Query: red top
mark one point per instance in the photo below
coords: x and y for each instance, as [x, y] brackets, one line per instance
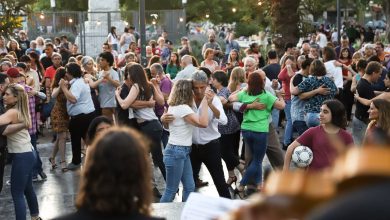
[347, 63]
[285, 79]
[50, 72]
[324, 151]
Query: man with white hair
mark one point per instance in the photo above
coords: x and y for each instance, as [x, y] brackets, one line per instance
[250, 65]
[33, 48]
[188, 68]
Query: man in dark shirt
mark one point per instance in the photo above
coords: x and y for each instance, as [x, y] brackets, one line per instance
[272, 70]
[24, 43]
[46, 60]
[365, 90]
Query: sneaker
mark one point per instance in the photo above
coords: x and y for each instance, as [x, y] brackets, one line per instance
[72, 166]
[35, 179]
[42, 175]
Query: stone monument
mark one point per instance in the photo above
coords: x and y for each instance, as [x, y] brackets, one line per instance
[102, 14]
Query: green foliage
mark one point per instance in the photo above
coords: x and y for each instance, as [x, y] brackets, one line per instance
[247, 29]
[78, 5]
[151, 4]
[10, 12]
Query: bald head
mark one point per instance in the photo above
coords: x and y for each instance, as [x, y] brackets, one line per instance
[186, 60]
[305, 50]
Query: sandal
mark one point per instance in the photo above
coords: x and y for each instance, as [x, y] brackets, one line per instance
[231, 180]
[53, 163]
[239, 192]
[64, 167]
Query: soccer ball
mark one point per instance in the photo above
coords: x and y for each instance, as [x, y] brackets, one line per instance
[302, 156]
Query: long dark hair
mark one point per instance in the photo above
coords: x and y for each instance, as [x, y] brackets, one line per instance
[177, 63]
[60, 74]
[255, 84]
[112, 31]
[40, 69]
[339, 114]
[138, 76]
[91, 133]
[116, 175]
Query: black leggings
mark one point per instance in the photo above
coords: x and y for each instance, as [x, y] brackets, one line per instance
[153, 130]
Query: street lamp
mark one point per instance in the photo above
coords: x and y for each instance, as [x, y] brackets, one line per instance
[181, 19]
[70, 20]
[207, 15]
[259, 3]
[234, 10]
[42, 16]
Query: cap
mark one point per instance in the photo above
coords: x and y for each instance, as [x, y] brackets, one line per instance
[184, 38]
[13, 72]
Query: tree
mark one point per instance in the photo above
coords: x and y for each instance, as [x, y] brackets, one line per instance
[10, 14]
[79, 5]
[285, 19]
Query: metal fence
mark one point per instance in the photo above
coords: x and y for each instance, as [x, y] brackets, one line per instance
[90, 29]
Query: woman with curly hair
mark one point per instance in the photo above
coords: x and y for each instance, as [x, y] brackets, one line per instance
[177, 152]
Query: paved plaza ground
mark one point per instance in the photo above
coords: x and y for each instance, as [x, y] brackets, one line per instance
[57, 194]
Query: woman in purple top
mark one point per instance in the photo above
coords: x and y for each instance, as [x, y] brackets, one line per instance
[328, 140]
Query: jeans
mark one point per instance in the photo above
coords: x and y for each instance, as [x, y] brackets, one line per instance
[358, 131]
[312, 119]
[300, 126]
[288, 132]
[178, 167]
[38, 162]
[257, 143]
[210, 155]
[229, 143]
[153, 130]
[3, 158]
[21, 184]
[78, 127]
[275, 118]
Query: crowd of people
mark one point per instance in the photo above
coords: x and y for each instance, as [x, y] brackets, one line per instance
[188, 113]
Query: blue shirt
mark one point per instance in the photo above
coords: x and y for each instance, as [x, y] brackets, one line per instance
[81, 91]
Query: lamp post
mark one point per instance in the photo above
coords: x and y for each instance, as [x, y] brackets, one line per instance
[143, 32]
[338, 21]
[53, 6]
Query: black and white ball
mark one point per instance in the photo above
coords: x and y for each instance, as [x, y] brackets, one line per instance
[302, 156]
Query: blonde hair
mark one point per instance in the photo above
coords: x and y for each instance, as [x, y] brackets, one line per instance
[181, 93]
[236, 78]
[357, 55]
[21, 103]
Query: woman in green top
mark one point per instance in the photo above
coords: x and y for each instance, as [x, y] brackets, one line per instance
[255, 125]
[174, 65]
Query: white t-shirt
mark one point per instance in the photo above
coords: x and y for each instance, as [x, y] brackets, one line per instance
[335, 73]
[321, 40]
[180, 131]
